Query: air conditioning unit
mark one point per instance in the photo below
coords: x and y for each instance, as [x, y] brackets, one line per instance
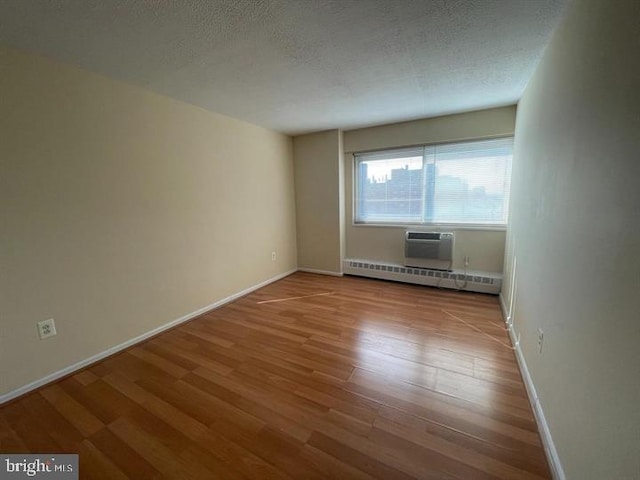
[432, 250]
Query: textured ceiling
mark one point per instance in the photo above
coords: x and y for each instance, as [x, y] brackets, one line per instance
[299, 65]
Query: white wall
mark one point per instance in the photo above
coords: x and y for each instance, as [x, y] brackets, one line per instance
[575, 232]
[485, 248]
[123, 210]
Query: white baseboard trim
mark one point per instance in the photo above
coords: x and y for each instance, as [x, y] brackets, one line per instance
[320, 272]
[547, 441]
[503, 307]
[117, 348]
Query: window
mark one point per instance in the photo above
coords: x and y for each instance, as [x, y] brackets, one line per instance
[464, 183]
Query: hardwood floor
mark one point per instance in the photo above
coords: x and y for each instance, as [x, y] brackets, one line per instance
[369, 380]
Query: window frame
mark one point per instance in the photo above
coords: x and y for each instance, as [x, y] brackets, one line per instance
[435, 225]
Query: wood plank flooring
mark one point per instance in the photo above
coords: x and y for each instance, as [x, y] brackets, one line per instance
[370, 380]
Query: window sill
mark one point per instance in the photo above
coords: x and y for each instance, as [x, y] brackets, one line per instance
[434, 226]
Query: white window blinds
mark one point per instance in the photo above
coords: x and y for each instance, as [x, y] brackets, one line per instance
[456, 183]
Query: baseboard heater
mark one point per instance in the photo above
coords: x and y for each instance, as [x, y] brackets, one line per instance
[481, 282]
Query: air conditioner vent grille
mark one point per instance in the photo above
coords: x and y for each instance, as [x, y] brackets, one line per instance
[423, 236]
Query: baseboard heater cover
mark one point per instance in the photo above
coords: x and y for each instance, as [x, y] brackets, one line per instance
[481, 282]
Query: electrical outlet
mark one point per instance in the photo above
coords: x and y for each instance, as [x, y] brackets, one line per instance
[540, 340]
[46, 328]
[273, 256]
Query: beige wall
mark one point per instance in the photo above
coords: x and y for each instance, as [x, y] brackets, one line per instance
[319, 192]
[485, 248]
[575, 232]
[386, 244]
[493, 122]
[123, 210]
